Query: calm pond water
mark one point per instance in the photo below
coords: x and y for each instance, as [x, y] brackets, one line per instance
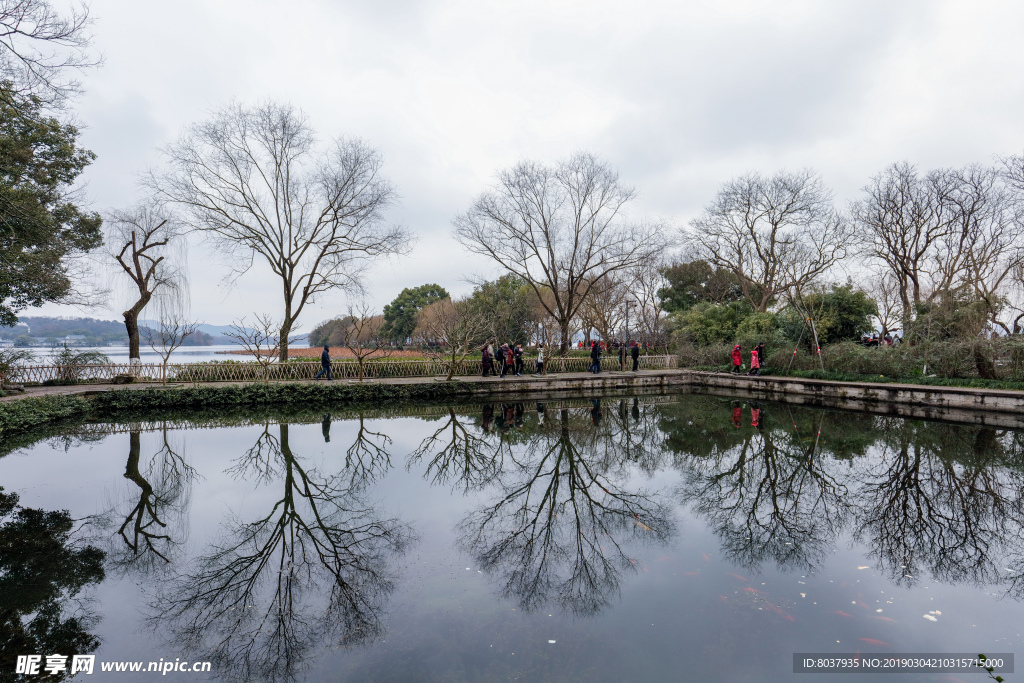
[624, 538]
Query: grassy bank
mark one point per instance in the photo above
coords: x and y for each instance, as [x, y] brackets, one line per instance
[31, 413]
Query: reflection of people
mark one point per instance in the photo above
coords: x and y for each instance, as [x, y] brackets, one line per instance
[488, 415]
[737, 415]
[540, 413]
[595, 412]
[325, 426]
[519, 410]
[755, 414]
[636, 408]
[325, 364]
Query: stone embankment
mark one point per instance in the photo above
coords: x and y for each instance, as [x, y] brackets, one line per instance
[974, 406]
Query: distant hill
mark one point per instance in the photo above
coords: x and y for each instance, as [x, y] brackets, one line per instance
[86, 331]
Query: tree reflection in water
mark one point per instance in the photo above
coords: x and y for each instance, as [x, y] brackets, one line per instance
[314, 568]
[43, 569]
[152, 515]
[771, 496]
[929, 497]
[561, 527]
[941, 499]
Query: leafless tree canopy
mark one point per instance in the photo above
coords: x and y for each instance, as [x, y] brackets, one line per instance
[450, 330]
[950, 230]
[145, 241]
[560, 228]
[775, 234]
[41, 47]
[253, 179]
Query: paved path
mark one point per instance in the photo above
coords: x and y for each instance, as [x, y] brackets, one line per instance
[554, 378]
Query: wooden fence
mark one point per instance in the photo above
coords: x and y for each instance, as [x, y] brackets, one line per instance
[250, 372]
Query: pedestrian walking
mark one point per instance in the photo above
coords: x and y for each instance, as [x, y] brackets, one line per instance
[325, 364]
[762, 355]
[595, 358]
[492, 358]
[622, 357]
[755, 363]
[503, 357]
[540, 359]
[634, 352]
[737, 358]
[517, 354]
[485, 360]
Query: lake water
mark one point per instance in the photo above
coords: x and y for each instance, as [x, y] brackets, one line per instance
[645, 538]
[185, 354]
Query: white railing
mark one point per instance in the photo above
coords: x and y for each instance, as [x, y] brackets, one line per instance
[250, 372]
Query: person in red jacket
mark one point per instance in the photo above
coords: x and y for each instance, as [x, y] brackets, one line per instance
[737, 358]
[755, 364]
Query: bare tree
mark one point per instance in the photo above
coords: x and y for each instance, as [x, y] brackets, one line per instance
[175, 328]
[40, 47]
[361, 335]
[141, 239]
[450, 330]
[604, 309]
[561, 229]
[646, 317]
[262, 341]
[884, 288]
[774, 234]
[904, 219]
[252, 179]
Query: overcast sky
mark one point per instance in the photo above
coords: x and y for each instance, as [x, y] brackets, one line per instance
[679, 95]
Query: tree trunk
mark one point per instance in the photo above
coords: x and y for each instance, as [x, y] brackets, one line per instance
[286, 330]
[131, 323]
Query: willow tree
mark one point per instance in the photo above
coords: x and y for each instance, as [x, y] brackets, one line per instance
[146, 243]
[255, 180]
[561, 229]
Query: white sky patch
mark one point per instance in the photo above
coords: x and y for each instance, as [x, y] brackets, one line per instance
[679, 96]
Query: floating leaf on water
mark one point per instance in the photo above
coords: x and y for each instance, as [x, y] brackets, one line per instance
[929, 617]
[879, 609]
[803, 595]
[552, 642]
[863, 567]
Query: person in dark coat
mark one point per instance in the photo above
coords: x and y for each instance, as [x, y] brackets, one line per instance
[485, 360]
[517, 355]
[622, 356]
[325, 364]
[634, 353]
[595, 357]
[761, 354]
[506, 357]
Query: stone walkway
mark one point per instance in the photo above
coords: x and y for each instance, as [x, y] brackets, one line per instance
[563, 378]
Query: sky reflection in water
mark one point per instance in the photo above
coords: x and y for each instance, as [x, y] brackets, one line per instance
[650, 538]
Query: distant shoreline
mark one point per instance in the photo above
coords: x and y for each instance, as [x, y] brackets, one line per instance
[335, 352]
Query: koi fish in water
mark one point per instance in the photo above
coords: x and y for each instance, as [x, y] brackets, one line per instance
[872, 641]
[706, 558]
[891, 621]
[748, 589]
[738, 577]
[778, 610]
[842, 614]
[641, 525]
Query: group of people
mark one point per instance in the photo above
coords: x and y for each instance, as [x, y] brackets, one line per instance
[633, 351]
[757, 358]
[505, 358]
[874, 340]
